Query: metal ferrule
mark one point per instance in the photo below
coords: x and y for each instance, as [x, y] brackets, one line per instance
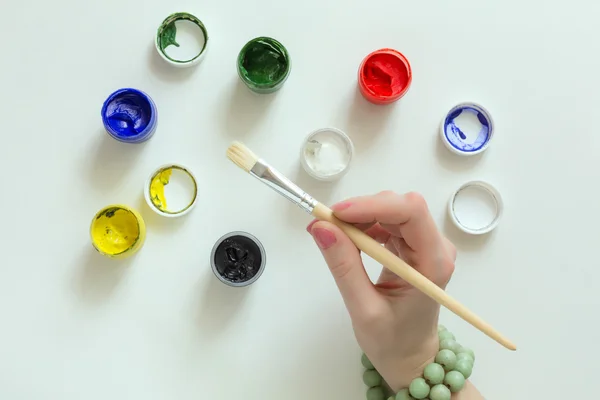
[278, 182]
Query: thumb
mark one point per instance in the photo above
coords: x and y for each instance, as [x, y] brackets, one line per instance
[345, 264]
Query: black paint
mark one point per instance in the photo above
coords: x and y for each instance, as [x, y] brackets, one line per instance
[238, 259]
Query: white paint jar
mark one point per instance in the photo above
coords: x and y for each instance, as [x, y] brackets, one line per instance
[476, 207]
[326, 154]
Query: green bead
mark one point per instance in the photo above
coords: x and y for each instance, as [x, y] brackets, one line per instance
[464, 356]
[371, 378]
[465, 367]
[434, 374]
[366, 362]
[404, 395]
[440, 392]
[443, 335]
[450, 344]
[419, 389]
[391, 398]
[375, 393]
[441, 328]
[446, 358]
[468, 351]
[455, 381]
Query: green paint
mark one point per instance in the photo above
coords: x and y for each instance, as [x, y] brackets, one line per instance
[167, 36]
[264, 64]
[108, 213]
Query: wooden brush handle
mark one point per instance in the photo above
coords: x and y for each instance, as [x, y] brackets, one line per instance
[388, 259]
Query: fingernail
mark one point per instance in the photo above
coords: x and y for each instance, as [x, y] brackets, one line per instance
[341, 206]
[309, 227]
[324, 238]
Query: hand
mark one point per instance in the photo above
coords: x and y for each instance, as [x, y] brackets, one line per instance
[394, 323]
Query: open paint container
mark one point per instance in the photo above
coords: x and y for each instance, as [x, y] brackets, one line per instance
[264, 65]
[384, 76]
[129, 115]
[476, 207]
[238, 259]
[117, 231]
[171, 190]
[326, 154]
[467, 129]
[182, 40]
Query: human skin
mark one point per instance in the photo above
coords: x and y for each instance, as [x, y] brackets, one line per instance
[394, 323]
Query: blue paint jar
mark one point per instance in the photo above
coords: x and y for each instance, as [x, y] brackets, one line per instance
[129, 115]
[467, 129]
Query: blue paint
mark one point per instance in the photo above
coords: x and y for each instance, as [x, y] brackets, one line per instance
[129, 115]
[474, 135]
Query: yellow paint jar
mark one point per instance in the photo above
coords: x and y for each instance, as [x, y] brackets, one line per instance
[117, 231]
[171, 190]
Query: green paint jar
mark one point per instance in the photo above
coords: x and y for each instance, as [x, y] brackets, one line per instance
[264, 65]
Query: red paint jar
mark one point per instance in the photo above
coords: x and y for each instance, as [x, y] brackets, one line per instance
[384, 76]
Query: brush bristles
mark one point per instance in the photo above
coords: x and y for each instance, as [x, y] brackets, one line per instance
[241, 156]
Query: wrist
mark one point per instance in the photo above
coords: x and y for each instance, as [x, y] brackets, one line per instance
[469, 392]
[399, 370]
[437, 368]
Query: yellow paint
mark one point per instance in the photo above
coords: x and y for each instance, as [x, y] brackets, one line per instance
[117, 231]
[157, 188]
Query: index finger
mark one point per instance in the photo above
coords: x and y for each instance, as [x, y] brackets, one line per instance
[408, 213]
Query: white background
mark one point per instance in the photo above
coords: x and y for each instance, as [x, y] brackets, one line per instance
[75, 325]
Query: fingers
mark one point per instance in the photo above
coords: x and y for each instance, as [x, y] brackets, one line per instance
[388, 279]
[450, 249]
[402, 215]
[378, 233]
[374, 230]
[345, 264]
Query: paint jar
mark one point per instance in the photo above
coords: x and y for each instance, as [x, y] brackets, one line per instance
[182, 40]
[264, 65]
[117, 231]
[129, 115]
[171, 190]
[384, 76]
[238, 259]
[326, 154]
[476, 208]
[467, 129]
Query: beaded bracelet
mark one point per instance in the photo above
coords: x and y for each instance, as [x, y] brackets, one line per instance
[452, 367]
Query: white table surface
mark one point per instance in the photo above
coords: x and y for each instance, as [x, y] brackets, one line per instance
[75, 325]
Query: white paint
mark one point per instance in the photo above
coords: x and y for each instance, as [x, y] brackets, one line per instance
[326, 154]
[468, 124]
[327, 157]
[179, 192]
[190, 39]
[475, 208]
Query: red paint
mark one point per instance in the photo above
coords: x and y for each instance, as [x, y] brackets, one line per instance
[384, 76]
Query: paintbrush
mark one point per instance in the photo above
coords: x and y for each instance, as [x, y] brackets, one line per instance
[249, 162]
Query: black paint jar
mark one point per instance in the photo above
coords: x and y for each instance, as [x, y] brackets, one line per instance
[238, 259]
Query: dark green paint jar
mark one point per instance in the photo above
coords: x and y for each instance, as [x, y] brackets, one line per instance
[264, 65]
